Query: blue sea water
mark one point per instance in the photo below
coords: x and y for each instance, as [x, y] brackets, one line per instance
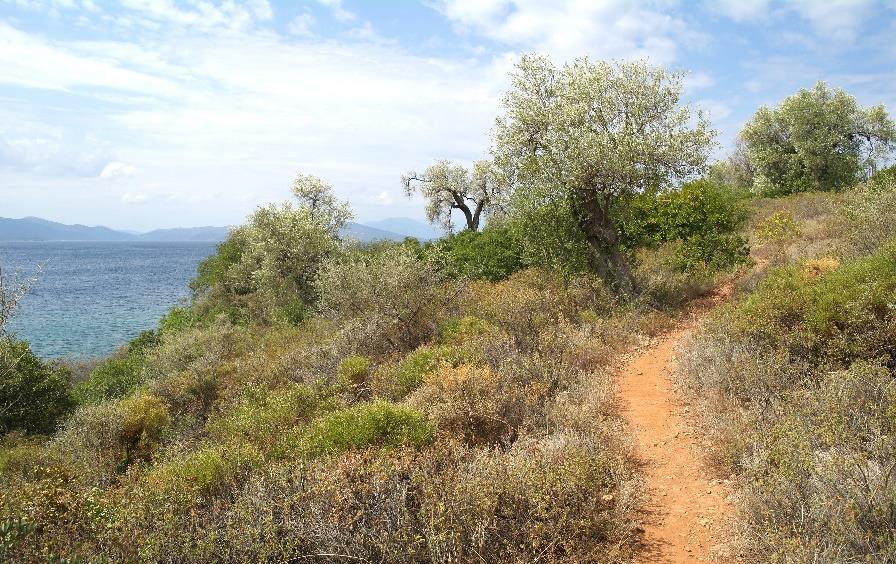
[91, 298]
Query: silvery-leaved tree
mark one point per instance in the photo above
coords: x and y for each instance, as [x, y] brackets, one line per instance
[587, 135]
[281, 245]
[818, 139]
[448, 186]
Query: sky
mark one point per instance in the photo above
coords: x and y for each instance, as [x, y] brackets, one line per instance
[143, 114]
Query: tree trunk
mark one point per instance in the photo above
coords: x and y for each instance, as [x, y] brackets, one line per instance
[602, 236]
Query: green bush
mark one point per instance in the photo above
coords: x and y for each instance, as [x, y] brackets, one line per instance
[884, 177]
[144, 420]
[353, 371]
[260, 415]
[702, 216]
[397, 381]
[112, 378]
[377, 424]
[491, 254]
[34, 395]
[454, 330]
[838, 316]
[212, 271]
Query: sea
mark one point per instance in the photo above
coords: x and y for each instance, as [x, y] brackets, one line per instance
[87, 298]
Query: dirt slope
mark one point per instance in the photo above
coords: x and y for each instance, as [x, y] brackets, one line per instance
[688, 512]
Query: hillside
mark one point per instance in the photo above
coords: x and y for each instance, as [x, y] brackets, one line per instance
[36, 229]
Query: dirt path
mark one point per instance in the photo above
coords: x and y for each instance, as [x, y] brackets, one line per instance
[688, 510]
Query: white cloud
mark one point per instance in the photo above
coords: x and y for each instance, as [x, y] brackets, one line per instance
[385, 198]
[570, 28]
[697, 81]
[741, 10]
[134, 198]
[117, 170]
[338, 11]
[302, 25]
[835, 19]
[211, 115]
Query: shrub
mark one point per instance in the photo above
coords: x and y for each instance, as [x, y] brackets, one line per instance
[393, 292]
[475, 404]
[838, 316]
[353, 372]
[702, 217]
[208, 471]
[34, 395]
[145, 418]
[377, 424]
[491, 254]
[780, 226]
[562, 500]
[456, 330]
[112, 378]
[395, 382]
[885, 177]
[261, 415]
[869, 216]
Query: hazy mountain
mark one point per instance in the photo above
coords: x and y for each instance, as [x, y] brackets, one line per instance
[368, 234]
[186, 234]
[409, 227]
[36, 229]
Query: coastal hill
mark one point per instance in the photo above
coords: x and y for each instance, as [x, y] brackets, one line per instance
[37, 229]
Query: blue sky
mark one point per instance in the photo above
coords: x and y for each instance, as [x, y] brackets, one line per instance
[161, 113]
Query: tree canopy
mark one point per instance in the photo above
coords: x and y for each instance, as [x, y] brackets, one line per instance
[586, 135]
[818, 139]
[448, 186]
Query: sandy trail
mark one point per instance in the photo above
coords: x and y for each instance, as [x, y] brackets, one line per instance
[688, 510]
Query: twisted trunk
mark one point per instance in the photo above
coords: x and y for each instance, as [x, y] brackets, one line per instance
[602, 236]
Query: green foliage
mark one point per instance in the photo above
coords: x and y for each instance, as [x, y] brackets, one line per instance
[212, 271]
[885, 178]
[456, 330]
[549, 236]
[378, 424]
[704, 217]
[837, 316]
[113, 378]
[817, 139]
[12, 531]
[353, 371]
[120, 374]
[208, 471]
[266, 268]
[778, 227]
[34, 395]
[398, 381]
[869, 215]
[177, 319]
[391, 295]
[491, 254]
[144, 419]
[561, 142]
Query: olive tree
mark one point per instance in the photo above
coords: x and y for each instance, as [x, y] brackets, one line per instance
[448, 186]
[281, 246]
[818, 139]
[588, 135]
[390, 294]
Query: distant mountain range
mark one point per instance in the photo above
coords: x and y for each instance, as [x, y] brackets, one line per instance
[37, 229]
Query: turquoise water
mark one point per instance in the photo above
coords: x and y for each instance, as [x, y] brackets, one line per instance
[90, 298]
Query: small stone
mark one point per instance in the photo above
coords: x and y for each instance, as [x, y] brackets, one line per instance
[607, 498]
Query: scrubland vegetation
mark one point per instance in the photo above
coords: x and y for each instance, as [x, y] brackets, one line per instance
[318, 400]
[798, 380]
